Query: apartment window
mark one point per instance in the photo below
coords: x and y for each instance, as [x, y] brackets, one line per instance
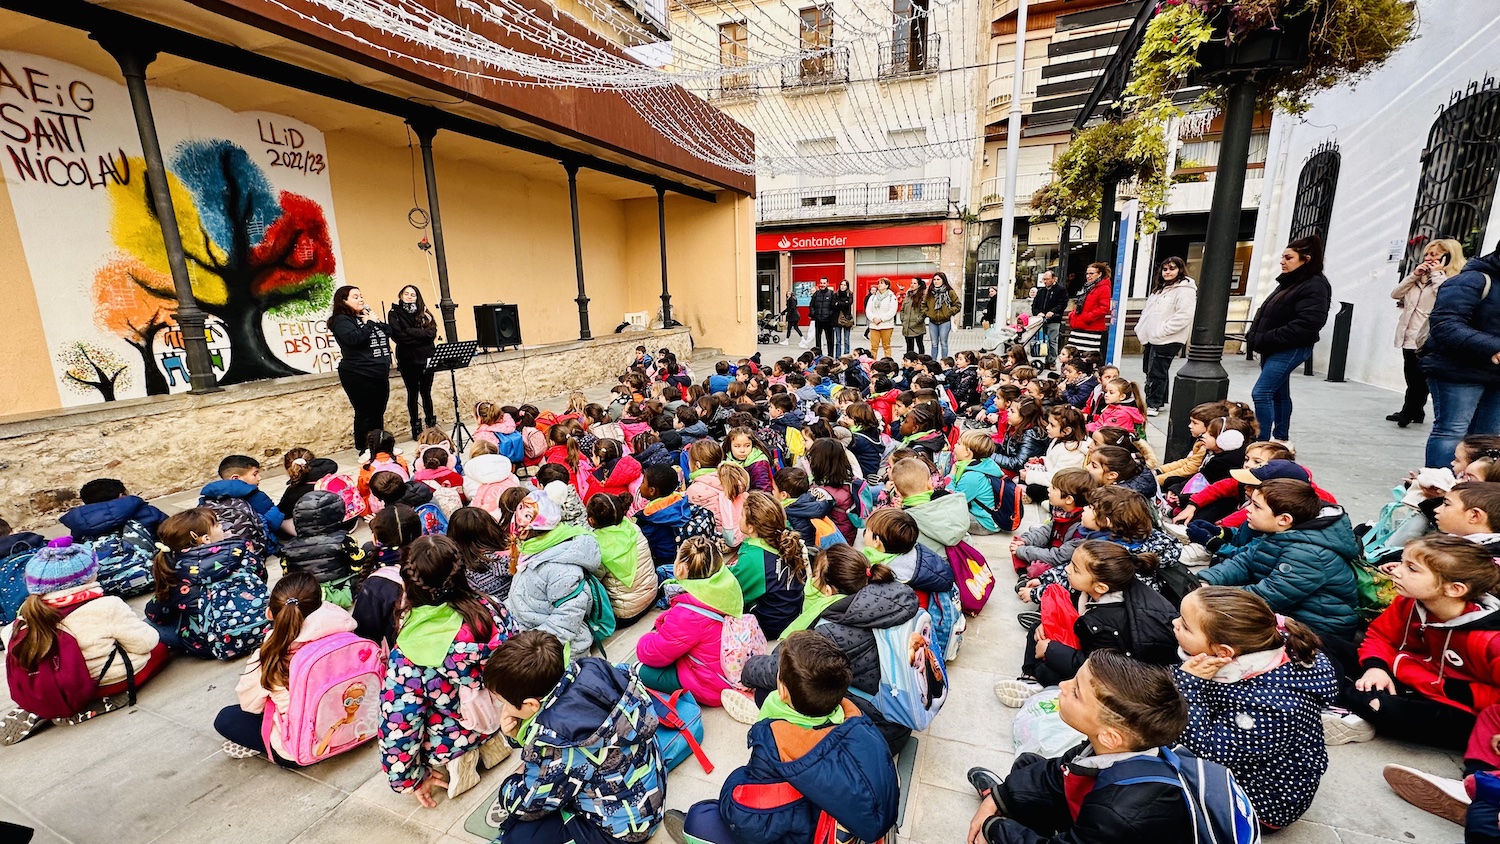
[1315, 189]
[817, 36]
[734, 51]
[909, 39]
[1459, 165]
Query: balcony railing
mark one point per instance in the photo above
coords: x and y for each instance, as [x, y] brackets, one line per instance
[1001, 88]
[738, 86]
[992, 190]
[903, 197]
[907, 56]
[819, 70]
[1196, 197]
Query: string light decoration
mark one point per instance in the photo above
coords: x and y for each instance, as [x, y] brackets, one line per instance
[883, 118]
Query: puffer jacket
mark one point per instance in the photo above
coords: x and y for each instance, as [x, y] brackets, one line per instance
[624, 547]
[91, 521]
[885, 405]
[850, 623]
[655, 454]
[867, 450]
[322, 546]
[688, 634]
[596, 726]
[942, 522]
[707, 491]
[974, 482]
[1019, 448]
[545, 592]
[1265, 727]
[1126, 416]
[1167, 316]
[1293, 315]
[1078, 394]
[617, 478]
[1138, 625]
[923, 569]
[1061, 454]
[212, 578]
[485, 478]
[1455, 662]
[1464, 327]
[880, 309]
[1094, 305]
[666, 522]
[419, 729]
[1187, 466]
[326, 620]
[1304, 572]
[813, 504]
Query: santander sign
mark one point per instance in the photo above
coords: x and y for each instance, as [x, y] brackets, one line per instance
[921, 235]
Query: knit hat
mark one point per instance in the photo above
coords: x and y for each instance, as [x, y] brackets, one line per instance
[61, 565]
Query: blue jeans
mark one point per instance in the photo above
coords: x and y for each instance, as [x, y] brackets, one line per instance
[1272, 393]
[840, 341]
[1459, 410]
[937, 333]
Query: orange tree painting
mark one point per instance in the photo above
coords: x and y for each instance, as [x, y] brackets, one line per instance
[251, 251]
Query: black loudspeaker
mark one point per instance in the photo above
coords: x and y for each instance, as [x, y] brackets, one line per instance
[497, 326]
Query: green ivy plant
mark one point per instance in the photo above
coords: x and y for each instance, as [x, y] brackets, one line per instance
[1131, 149]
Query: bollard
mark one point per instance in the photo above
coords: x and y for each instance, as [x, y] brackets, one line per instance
[1338, 355]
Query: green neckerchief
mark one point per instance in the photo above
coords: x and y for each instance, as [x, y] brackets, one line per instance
[762, 545]
[755, 456]
[917, 500]
[719, 591]
[814, 602]
[428, 633]
[958, 468]
[749, 568]
[776, 709]
[787, 502]
[911, 438]
[558, 535]
[617, 550]
[698, 473]
[878, 558]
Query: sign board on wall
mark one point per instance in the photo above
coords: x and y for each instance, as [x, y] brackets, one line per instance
[849, 238]
[253, 202]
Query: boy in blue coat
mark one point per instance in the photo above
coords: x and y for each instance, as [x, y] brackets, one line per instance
[812, 753]
[668, 517]
[106, 508]
[239, 477]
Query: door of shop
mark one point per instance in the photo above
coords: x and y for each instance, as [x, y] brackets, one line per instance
[808, 267]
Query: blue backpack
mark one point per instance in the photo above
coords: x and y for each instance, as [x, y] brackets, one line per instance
[912, 690]
[948, 622]
[125, 559]
[1010, 505]
[430, 515]
[679, 731]
[13, 584]
[512, 447]
[1221, 812]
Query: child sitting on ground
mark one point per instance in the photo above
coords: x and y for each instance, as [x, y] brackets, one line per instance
[303, 471]
[669, 518]
[891, 540]
[1471, 510]
[617, 473]
[1256, 686]
[484, 548]
[1112, 464]
[387, 488]
[1067, 449]
[718, 487]
[323, 547]
[1298, 554]
[1051, 545]
[380, 456]
[815, 762]
[378, 606]
[942, 517]
[590, 768]
[239, 481]
[1221, 500]
[487, 475]
[1124, 407]
[210, 599]
[552, 478]
[976, 476]
[1186, 467]
[550, 561]
[447, 485]
[772, 564]
[807, 509]
[105, 510]
[830, 468]
[744, 449]
[682, 649]
[629, 572]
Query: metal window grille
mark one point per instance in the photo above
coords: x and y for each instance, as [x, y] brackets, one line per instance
[1315, 190]
[1459, 166]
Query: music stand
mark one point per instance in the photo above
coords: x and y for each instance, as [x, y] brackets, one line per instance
[453, 357]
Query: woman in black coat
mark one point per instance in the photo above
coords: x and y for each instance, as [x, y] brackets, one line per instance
[414, 330]
[365, 369]
[843, 308]
[1285, 330]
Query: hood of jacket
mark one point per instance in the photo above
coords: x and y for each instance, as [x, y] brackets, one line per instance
[922, 568]
[670, 510]
[21, 542]
[1482, 615]
[944, 519]
[791, 419]
[581, 551]
[655, 454]
[1329, 529]
[594, 705]
[227, 488]
[719, 592]
[697, 430]
[877, 606]
[318, 512]
[326, 620]
[488, 469]
[319, 468]
[810, 506]
[101, 517]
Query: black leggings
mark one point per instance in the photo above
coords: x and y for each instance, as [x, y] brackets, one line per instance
[368, 394]
[823, 331]
[793, 325]
[1410, 716]
[243, 728]
[917, 344]
[418, 381]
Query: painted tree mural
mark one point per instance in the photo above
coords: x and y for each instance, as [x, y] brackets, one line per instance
[251, 251]
[91, 367]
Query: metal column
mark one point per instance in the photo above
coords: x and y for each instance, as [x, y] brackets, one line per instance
[425, 133]
[583, 298]
[661, 227]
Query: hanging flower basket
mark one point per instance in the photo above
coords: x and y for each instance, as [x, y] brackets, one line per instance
[1281, 46]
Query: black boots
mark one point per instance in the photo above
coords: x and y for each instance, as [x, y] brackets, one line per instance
[1401, 418]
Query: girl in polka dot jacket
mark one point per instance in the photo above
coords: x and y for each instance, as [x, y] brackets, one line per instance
[1256, 686]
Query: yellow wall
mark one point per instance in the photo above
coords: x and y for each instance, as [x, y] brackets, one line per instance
[27, 382]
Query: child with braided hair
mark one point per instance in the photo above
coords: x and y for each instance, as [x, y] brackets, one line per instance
[772, 564]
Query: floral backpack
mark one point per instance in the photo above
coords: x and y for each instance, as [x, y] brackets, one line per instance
[740, 638]
[447, 498]
[345, 487]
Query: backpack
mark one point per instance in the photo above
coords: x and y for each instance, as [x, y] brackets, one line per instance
[1175, 582]
[512, 446]
[1374, 589]
[740, 638]
[1221, 812]
[61, 685]
[679, 730]
[447, 498]
[826, 533]
[334, 689]
[601, 615]
[231, 617]
[912, 690]
[433, 519]
[972, 574]
[344, 487]
[13, 584]
[948, 622]
[1010, 505]
[240, 521]
[386, 464]
[796, 446]
[125, 560]
[700, 522]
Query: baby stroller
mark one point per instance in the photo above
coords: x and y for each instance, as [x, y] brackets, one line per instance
[770, 326]
[1031, 335]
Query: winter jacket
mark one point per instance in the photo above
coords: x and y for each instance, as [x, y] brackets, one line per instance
[1051, 299]
[1464, 327]
[1265, 728]
[485, 478]
[326, 620]
[1217, 465]
[844, 770]
[236, 488]
[1060, 455]
[591, 751]
[413, 333]
[442, 476]
[1304, 572]
[913, 316]
[97, 624]
[377, 605]
[624, 546]
[822, 306]
[1050, 801]
[942, 306]
[974, 482]
[1078, 394]
[688, 634]
[942, 522]
[1021, 447]
[1126, 416]
[843, 504]
[666, 522]
[1415, 296]
[923, 569]
[655, 454]
[1167, 316]
[20, 543]
[322, 546]
[772, 593]
[617, 478]
[365, 346]
[1455, 662]
[693, 433]
[1138, 624]
[203, 631]
[707, 491]
[1094, 306]
[419, 729]
[545, 593]
[317, 469]
[880, 310]
[884, 404]
[88, 522]
[850, 623]
[867, 450]
[1047, 544]
[1293, 315]
[813, 504]
[492, 433]
[1187, 466]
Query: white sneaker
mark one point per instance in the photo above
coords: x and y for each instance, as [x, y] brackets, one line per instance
[1013, 693]
[463, 773]
[1153, 411]
[1345, 728]
[494, 751]
[239, 751]
[1438, 795]
[739, 706]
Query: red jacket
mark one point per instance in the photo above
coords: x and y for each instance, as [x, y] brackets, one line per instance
[617, 479]
[581, 479]
[1093, 312]
[1455, 662]
[884, 404]
[1231, 488]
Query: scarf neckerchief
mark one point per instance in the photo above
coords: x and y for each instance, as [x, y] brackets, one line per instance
[917, 500]
[779, 710]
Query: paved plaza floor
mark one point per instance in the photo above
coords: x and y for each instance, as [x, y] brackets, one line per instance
[155, 772]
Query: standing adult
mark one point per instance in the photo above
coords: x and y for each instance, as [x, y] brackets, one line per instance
[793, 315]
[1048, 304]
[1088, 322]
[843, 315]
[880, 310]
[1415, 296]
[365, 368]
[1166, 319]
[1462, 358]
[414, 331]
[1285, 330]
[942, 307]
[821, 311]
[987, 318]
[914, 316]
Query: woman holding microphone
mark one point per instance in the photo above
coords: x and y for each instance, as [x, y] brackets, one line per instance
[415, 331]
[365, 369]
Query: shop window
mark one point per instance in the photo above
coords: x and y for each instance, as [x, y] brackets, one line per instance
[1315, 189]
[1459, 166]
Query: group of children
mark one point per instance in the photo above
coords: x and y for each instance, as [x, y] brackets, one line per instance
[802, 528]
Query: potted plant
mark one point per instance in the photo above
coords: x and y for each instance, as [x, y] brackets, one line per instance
[1111, 152]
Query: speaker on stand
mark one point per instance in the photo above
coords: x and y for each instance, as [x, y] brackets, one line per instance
[497, 326]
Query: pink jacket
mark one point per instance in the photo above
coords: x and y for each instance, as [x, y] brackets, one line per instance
[1126, 416]
[707, 492]
[326, 620]
[506, 425]
[691, 642]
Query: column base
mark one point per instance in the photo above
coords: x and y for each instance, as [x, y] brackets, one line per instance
[1190, 389]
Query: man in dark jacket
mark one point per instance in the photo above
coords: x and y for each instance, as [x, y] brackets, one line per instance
[1462, 358]
[823, 310]
[1048, 304]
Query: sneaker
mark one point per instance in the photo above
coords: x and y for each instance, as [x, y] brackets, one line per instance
[984, 781]
[1341, 727]
[1153, 411]
[19, 725]
[494, 751]
[675, 823]
[739, 706]
[1438, 795]
[463, 774]
[1013, 693]
[239, 751]
[1029, 620]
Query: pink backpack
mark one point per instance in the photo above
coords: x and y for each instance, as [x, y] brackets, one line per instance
[334, 683]
[972, 573]
[740, 638]
[389, 464]
[344, 487]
